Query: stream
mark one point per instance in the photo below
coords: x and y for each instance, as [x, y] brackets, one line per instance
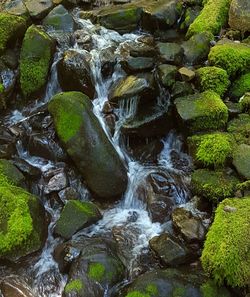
[40, 272]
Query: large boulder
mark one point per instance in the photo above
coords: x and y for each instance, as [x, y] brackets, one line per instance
[59, 19]
[38, 8]
[226, 254]
[241, 160]
[231, 56]
[12, 28]
[74, 73]
[22, 222]
[35, 60]
[87, 144]
[75, 216]
[204, 111]
[239, 15]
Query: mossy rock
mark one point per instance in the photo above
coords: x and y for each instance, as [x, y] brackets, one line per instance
[87, 144]
[213, 185]
[212, 149]
[170, 52]
[211, 289]
[12, 28]
[239, 15]
[240, 86]
[213, 78]
[240, 128]
[202, 112]
[212, 18]
[167, 74]
[35, 60]
[245, 103]
[241, 160]
[9, 174]
[75, 216]
[231, 56]
[74, 286]
[226, 251]
[21, 223]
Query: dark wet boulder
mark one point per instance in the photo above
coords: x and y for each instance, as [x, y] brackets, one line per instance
[59, 19]
[35, 60]
[74, 73]
[76, 215]
[202, 111]
[137, 64]
[38, 8]
[171, 251]
[188, 225]
[239, 15]
[213, 185]
[123, 19]
[196, 49]
[97, 268]
[160, 14]
[23, 222]
[241, 160]
[87, 144]
[170, 52]
[12, 28]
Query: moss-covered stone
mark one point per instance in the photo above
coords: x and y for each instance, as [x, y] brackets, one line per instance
[211, 19]
[21, 222]
[213, 78]
[240, 86]
[11, 29]
[167, 74]
[10, 174]
[226, 251]
[87, 144]
[76, 215]
[96, 271]
[210, 289]
[245, 103]
[201, 112]
[231, 56]
[240, 128]
[241, 160]
[35, 59]
[211, 149]
[74, 286]
[213, 185]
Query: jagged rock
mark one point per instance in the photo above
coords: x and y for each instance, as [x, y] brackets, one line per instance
[38, 8]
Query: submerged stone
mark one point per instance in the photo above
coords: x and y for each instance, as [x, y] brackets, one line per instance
[87, 144]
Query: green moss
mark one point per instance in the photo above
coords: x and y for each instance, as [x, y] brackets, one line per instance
[179, 292]
[226, 251]
[67, 115]
[211, 19]
[213, 185]
[11, 27]
[137, 294]
[96, 271]
[213, 78]
[152, 289]
[74, 286]
[210, 289]
[245, 186]
[245, 103]
[241, 86]
[240, 128]
[10, 173]
[35, 59]
[233, 57]
[1, 88]
[213, 149]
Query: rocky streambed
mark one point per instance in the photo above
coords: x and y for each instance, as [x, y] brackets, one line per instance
[124, 148]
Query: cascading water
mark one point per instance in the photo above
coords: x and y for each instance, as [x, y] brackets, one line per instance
[131, 212]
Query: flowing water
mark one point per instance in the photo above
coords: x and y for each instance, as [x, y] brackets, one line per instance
[41, 272]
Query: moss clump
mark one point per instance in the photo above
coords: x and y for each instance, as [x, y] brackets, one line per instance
[245, 103]
[233, 57]
[96, 271]
[211, 19]
[226, 251]
[240, 128]
[35, 59]
[137, 294]
[213, 78]
[74, 286]
[202, 112]
[10, 174]
[245, 186]
[152, 289]
[67, 115]
[11, 28]
[213, 149]
[210, 289]
[213, 185]
[241, 86]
